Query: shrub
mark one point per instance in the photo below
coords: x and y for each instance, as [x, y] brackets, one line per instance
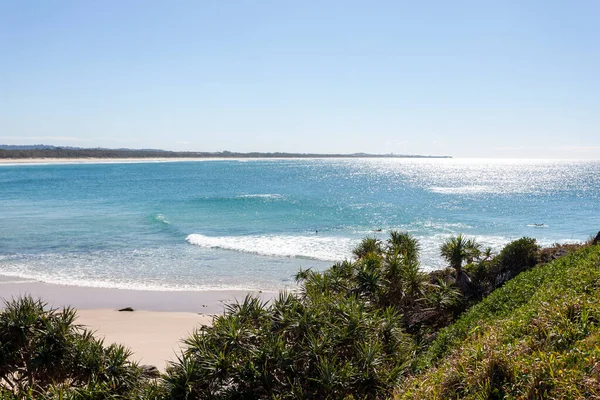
[43, 352]
[515, 257]
[315, 346]
[341, 335]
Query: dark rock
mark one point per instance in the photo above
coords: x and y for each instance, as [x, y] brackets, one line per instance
[464, 283]
[447, 275]
[504, 276]
[126, 309]
[596, 239]
[559, 253]
[149, 371]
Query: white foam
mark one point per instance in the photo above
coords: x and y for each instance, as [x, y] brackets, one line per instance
[261, 196]
[316, 247]
[474, 189]
[162, 269]
[162, 218]
[68, 280]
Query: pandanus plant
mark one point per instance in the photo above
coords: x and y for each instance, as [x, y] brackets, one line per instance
[456, 250]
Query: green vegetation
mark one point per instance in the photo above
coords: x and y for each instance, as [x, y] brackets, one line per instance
[372, 327]
[456, 250]
[536, 337]
[44, 354]
[341, 335]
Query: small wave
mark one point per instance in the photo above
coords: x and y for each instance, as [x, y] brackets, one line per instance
[138, 270]
[260, 196]
[13, 281]
[475, 189]
[537, 225]
[161, 218]
[27, 277]
[312, 247]
[439, 225]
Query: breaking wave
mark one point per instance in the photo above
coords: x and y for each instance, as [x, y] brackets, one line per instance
[316, 247]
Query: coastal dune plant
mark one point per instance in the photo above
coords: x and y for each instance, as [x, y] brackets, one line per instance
[515, 257]
[369, 245]
[356, 329]
[320, 346]
[341, 334]
[490, 272]
[456, 250]
[44, 354]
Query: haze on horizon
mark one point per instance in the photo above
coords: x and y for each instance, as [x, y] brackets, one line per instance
[466, 78]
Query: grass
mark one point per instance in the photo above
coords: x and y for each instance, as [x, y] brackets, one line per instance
[536, 337]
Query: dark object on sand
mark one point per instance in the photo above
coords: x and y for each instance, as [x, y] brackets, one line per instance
[126, 309]
[149, 371]
[596, 239]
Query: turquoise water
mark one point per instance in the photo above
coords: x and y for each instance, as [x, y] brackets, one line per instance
[251, 224]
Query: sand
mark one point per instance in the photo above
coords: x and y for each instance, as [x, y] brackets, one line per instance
[153, 331]
[93, 160]
[153, 336]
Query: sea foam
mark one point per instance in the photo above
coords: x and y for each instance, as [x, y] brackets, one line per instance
[272, 196]
[474, 189]
[316, 247]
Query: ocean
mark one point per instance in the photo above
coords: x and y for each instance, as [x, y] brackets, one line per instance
[251, 224]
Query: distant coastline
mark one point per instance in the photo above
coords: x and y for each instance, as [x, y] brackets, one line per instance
[43, 152]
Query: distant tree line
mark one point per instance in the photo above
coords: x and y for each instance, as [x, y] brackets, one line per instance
[70, 152]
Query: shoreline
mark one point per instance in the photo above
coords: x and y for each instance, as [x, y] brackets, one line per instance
[208, 302]
[98, 160]
[153, 331]
[134, 160]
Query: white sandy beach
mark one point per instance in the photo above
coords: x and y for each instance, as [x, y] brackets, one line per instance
[98, 160]
[153, 331]
[93, 160]
[153, 336]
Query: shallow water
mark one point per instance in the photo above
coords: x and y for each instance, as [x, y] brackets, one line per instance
[251, 224]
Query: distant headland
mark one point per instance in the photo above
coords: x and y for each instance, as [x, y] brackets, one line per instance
[59, 152]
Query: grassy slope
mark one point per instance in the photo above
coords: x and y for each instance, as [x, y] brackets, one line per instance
[536, 337]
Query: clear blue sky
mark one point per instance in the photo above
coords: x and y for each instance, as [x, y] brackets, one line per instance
[463, 78]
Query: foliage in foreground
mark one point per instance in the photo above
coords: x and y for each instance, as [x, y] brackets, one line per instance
[357, 329]
[371, 327]
[341, 335]
[44, 354]
[536, 337]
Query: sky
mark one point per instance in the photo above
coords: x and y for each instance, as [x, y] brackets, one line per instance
[459, 78]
